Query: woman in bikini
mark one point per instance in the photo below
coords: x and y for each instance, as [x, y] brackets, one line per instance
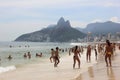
[76, 57]
[108, 52]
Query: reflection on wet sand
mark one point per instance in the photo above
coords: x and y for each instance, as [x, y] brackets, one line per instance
[91, 73]
[79, 77]
[101, 72]
[89, 76]
[110, 73]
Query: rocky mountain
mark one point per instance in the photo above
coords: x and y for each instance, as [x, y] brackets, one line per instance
[61, 32]
[102, 28]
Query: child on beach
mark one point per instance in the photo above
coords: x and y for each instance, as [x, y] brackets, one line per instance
[52, 55]
[108, 52]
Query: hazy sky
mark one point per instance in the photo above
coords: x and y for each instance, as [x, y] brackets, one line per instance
[24, 16]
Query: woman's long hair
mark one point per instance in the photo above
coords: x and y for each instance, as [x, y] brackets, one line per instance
[108, 42]
[76, 47]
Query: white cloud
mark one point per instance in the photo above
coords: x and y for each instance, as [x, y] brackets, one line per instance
[10, 31]
[110, 4]
[57, 3]
[32, 3]
[115, 19]
[96, 20]
[78, 24]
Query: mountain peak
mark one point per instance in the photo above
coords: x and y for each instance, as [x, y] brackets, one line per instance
[61, 21]
[68, 23]
[62, 32]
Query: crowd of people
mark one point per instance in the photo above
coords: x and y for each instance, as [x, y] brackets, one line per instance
[107, 49]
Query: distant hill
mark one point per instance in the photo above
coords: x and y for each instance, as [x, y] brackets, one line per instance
[102, 28]
[62, 32]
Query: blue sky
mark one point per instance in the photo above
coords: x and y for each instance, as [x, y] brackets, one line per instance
[24, 16]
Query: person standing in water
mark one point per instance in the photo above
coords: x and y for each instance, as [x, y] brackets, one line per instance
[25, 55]
[9, 57]
[108, 52]
[76, 57]
[56, 57]
[88, 55]
[29, 55]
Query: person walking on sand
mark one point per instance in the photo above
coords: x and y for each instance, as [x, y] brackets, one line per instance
[108, 52]
[95, 53]
[56, 57]
[88, 55]
[119, 46]
[75, 57]
[52, 55]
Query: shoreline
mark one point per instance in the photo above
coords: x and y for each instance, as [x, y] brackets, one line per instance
[64, 71]
[39, 71]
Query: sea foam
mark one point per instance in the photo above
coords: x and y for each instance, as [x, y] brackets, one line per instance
[6, 69]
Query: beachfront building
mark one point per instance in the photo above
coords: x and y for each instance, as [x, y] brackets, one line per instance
[103, 37]
[96, 39]
[109, 36]
[117, 36]
[89, 36]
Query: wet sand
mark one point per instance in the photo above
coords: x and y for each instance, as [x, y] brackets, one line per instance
[100, 72]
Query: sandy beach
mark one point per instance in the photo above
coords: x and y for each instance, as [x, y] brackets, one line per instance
[100, 72]
[64, 71]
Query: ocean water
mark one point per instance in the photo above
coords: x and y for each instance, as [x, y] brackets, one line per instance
[41, 65]
[17, 50]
